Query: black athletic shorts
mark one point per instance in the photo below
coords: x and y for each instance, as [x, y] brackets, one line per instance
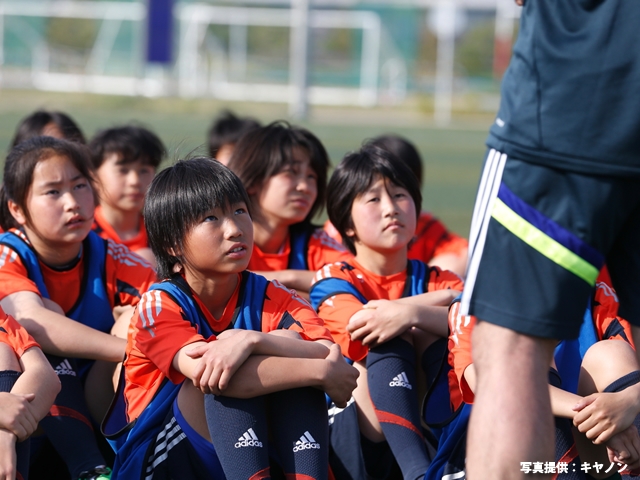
[539, 238]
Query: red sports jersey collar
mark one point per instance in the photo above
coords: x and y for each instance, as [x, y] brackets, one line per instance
[382, 279]
[227, 314]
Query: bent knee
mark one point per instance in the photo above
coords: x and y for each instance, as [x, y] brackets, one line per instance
[607, 360]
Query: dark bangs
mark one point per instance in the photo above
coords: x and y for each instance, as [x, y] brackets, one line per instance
[34, 125]
[130, 142]
[22, 161]
[355, 174]
[228, 129]
[403, 149]
[179, 197]
[266, 151]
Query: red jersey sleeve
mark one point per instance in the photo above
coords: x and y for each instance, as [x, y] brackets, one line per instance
[609, 325]
[324, 250]
[336, 312]
[14, 335]
[460, 327]
[13, 274]
[443, 280]
[128, 275]
[157, 332]
[433, 239]
[338, 309]
[285, 309]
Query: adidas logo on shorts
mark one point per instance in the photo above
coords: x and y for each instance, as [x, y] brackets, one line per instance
[249, 439]
[306, 442]
[65, 368]
[400, 381]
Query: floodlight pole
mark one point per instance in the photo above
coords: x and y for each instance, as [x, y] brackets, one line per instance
[299, 54]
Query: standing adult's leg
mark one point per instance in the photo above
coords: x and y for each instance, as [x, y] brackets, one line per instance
[511, 420]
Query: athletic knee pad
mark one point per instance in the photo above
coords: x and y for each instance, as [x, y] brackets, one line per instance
[623, 382]
[554, 378]
[239, 433]
[300, 428]
[394, 348]
[392, 387]
[8, 379]
[391, 376]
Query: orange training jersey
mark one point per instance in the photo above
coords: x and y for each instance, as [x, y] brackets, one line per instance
[106, 231]
[460, 327]
[431, 239]
[127, 276]
[338, 309]
[159, 331]
[608, 326]
[321, 250]
[14, 335]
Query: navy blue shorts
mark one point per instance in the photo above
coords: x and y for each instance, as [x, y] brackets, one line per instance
[539, 237]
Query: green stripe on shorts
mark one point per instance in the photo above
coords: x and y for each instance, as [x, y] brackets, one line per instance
[543, 243]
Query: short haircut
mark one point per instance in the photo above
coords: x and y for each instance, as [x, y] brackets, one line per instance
[266, 151]
[355, 174]
[130, 142]
[178, 199]
[403, 149]
[21, 163]
[34, 125]
[228, 128]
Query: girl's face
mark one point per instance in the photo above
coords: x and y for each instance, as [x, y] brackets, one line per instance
[123, 185]
[60, 203]
[384, 218]
[220, 244]
[287, 197]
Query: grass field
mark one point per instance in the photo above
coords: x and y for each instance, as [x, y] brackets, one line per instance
[453, 155]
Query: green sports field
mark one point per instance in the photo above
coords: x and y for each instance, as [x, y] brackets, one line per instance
[452, 155]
